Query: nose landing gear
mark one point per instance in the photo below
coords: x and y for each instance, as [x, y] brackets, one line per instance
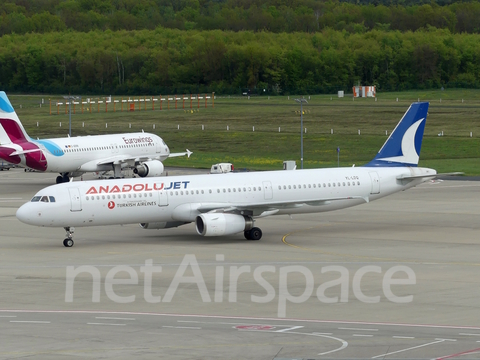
[68, 242]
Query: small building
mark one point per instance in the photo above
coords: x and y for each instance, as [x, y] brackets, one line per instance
[364, 91]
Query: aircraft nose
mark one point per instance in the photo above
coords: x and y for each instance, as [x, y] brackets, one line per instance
[25, 214]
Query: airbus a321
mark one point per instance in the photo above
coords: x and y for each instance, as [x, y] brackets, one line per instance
[227, 204]
[74, 156]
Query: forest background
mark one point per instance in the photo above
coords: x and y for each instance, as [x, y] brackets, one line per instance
[230, 47]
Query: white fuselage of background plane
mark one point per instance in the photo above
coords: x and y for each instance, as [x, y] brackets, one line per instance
[83, 153]
[182, 198]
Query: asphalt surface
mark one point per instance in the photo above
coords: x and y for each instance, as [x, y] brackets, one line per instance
[228, 298]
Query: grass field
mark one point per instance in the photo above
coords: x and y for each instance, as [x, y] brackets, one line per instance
[453, 112]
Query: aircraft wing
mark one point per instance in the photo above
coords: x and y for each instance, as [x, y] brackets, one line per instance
[120, 159]
[270, 208]
[188, 153]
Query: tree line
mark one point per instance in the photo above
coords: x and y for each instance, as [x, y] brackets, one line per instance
[168, 61]
[354, 16]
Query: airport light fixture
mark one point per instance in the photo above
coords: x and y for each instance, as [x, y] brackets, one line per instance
[301, 101]
[70, 98]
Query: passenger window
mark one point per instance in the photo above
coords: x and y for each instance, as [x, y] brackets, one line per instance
[294, 186]
[218, 190]
[202, 191]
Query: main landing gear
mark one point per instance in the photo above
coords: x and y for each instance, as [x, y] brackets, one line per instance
[62, 178]
[68, 242]
[253, 234]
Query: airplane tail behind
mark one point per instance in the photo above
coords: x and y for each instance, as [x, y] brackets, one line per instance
[403, 146]
[11, 129]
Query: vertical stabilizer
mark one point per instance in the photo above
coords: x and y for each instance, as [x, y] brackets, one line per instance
[403, 146]
[11, 129]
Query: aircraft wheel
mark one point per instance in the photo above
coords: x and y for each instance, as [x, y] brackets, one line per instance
[255, 234]
[65, 178]
[59, 179]
[247, 235]
[68, 242]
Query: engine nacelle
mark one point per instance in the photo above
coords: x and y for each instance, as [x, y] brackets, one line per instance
[162, 225]
[222, 224]
[149, 169]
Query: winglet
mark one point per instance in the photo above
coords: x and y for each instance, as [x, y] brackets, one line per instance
[403, 146]
[189, 153]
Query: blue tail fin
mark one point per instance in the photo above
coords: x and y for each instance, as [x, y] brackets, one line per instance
[402, 148]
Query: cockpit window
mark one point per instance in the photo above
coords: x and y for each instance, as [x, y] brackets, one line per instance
[44, 199]
[52, 198]
[36, 199]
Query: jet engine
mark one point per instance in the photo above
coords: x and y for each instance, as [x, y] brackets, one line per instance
[162, 225]
[213, 224]
[149, 168]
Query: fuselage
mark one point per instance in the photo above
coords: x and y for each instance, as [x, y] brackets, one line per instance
[83, 153]
[182, 198]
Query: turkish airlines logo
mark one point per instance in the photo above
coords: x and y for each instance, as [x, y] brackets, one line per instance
[111, 205]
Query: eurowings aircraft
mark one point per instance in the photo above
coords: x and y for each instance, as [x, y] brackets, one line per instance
[226, 204]
[74, 156]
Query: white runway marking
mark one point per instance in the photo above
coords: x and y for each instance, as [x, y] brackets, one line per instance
[410, 348]
[291, 328]
[364, 335]
[469, 334]
[183, 327]
[403, 337]
[30, 321]
[112, 318]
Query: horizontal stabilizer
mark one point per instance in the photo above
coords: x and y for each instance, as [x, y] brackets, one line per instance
[187, 153]
[426, 176]
[21, 152]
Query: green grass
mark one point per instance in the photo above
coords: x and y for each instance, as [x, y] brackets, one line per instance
[266, 147]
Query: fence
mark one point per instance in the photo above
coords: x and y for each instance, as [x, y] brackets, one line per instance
[134, 103]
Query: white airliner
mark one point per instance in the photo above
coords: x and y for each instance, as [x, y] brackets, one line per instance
[74, 156]
[227, 204]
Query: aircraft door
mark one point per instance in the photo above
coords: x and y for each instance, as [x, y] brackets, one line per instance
[267, 189]
[375, 182]
[163, 198]
[76, 203]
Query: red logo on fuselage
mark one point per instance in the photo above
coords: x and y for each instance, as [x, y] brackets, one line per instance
[111, 205]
